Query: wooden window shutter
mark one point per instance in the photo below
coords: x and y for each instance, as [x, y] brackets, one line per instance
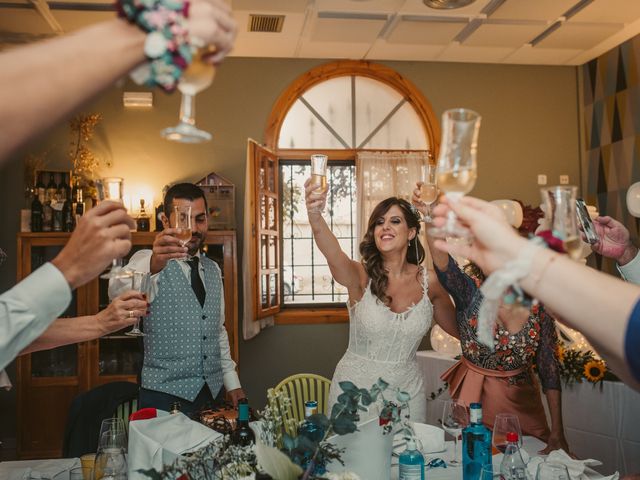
[265, 202]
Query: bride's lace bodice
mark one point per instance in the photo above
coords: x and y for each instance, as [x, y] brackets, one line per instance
[383, 344]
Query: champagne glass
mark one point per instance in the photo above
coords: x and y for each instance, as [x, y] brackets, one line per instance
[552, 471]
[560, 205]
[140, 281]
[111, 188]
[319, 173]
[455, 417]
[429, 188]
[182, 215]
[197, 77]
[457, 169]
[503, 424]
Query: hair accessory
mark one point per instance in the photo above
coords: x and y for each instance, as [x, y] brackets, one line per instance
[414, 210]
[167, 45]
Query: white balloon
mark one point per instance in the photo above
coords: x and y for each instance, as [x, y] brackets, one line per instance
[512, 211]
[633, 199]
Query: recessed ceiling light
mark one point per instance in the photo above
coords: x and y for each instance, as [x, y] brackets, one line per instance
[447, 4]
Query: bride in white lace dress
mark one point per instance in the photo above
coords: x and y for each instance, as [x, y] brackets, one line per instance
[392, 299]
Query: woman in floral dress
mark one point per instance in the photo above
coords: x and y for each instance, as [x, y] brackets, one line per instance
[503, 379]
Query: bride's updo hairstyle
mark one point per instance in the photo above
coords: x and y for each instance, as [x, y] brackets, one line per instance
[371, 258]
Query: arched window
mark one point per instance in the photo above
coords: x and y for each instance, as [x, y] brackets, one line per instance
[340, 109]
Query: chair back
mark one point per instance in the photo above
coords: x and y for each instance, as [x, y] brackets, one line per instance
[301, 388]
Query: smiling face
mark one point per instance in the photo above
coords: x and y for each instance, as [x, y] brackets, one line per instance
[391, 232]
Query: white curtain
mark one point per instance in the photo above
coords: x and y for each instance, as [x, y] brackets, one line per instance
[381, 175]
[250, 326]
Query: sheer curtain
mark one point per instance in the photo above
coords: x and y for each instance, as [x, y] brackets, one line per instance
[382, 175]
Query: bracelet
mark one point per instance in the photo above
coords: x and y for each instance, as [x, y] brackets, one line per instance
[167, 46]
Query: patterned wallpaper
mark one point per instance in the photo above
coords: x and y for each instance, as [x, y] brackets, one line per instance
[612, 141]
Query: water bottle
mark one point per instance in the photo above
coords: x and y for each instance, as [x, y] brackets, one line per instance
[411, 463]
[476, 445]
[512, 466]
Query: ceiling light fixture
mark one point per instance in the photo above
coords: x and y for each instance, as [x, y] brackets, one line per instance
[447, 4]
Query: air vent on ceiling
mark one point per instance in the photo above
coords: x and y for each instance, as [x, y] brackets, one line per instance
[266, 23]
[447, 4]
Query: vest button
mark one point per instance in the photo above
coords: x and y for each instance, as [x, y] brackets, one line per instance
[204, 317]
[204, 337]
[205, 357]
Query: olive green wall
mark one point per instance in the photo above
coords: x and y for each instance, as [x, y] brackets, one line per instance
[529, 126]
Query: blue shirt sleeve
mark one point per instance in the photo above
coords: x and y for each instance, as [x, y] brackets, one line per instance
[632, 342]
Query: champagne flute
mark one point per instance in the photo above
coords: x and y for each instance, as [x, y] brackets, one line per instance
[319, 173]
[182, 215]
[457, 169]
[429, 188]
[112, 188]
[455, 417]
[560, 206]
[503, 424]
[140, 281]
[197, 77]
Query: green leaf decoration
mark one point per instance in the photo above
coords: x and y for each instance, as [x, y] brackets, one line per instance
[319, 420]
[276, 464]
[343, 425]
[348, 387]
[288, 442]
[382, 385]
[403, 397]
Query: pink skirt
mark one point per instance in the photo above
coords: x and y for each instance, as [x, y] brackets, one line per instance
[470, 383]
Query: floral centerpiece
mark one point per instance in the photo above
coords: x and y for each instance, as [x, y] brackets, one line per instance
[287, 451]
[577, 365]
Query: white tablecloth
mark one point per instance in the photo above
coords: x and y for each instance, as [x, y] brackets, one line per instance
[599, 423]
[20, 469]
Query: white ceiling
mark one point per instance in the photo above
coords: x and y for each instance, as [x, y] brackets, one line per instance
[487, 31]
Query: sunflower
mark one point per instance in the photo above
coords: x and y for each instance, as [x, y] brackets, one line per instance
[594, 370]
[560, 352]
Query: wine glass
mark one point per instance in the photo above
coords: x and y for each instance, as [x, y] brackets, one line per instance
[182, 215]
[140, 281]
[429, 188]
[114, 426]
[455, 417]
[111, 461]
[560, 205]
[197, 77]
[111, 188]
[503, 424]
[457, 169]
[552, 471]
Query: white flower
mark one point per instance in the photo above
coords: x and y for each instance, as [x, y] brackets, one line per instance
[342, 476]
[155, 45]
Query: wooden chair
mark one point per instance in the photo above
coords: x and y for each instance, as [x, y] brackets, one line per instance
[301, 388]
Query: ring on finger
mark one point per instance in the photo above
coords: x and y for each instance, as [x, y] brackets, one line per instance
[131, 313]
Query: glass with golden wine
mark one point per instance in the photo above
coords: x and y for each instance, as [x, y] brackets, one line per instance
[112, 189]
[429, 189]
[319, 172]
[197, 77]
[182, 214]
[457, 165]
[560, 211]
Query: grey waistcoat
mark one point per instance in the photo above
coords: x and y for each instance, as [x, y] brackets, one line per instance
[181, 346]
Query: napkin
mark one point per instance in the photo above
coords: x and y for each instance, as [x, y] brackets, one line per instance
[578, 469]
[159, 441]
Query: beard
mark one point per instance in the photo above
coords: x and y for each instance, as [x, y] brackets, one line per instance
[195, 244]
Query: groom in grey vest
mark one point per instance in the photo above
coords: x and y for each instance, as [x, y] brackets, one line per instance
[187, 357]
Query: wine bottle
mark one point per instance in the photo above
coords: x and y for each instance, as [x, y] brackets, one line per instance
[143, 222]
[68, 223]
[52, 189]
[243, 435]
[36, 214]
[41, 190]
[47, 217]
[476, 445]
[63, 188]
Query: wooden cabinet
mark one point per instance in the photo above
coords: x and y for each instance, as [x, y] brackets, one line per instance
[48, 381]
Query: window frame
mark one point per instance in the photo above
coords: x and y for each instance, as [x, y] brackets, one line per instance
[288, 315]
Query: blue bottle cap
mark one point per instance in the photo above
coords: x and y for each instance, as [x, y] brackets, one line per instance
[476, 405]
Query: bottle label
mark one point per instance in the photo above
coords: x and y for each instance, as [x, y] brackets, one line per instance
[475, 415]
[243, 412]
[410, 472]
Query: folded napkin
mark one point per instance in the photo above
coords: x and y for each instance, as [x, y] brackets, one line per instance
[57, 468]
[159, 441]
[578, 469]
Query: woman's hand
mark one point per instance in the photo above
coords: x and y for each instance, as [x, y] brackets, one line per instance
[211, 23]
[494, 241]
[556, 441]
[123, 311]
[315, 200]
[416, 199]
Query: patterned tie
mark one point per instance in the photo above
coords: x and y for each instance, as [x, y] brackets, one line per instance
[196, 281]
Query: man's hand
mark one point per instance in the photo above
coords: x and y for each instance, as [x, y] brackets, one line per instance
[556, 442]
[166, 247]
[235, 395]
[615, 241]
[123, 311]
[102, 234]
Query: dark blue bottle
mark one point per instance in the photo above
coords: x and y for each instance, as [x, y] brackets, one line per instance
[476, 445]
